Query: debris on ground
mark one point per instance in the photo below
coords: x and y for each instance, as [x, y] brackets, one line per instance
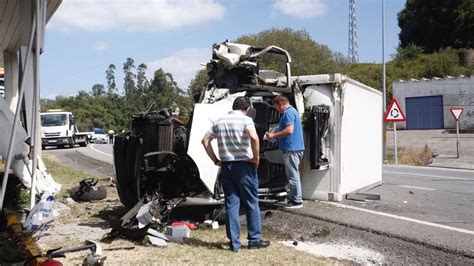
[190, 225]
[41, 214]
[210, 224]
[88, 191]
[93, 258]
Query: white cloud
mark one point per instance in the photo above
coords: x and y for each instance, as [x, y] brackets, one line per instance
[101, 46]
[183, 65]
[301, 8]
[133, 16]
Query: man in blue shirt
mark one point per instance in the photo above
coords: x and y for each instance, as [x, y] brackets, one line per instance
[290, 141]
[238, 145]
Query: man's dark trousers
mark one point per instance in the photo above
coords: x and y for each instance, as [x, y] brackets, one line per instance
[240, 183]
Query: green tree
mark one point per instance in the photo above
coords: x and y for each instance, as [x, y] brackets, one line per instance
[110, 76]
[464, 33]
[98, 90]
[142, 81]
[165, 93]
[198, 82]
[437, 24]
[129, 76]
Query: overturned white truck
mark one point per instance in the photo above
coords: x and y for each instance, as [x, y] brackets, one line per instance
[342, 121]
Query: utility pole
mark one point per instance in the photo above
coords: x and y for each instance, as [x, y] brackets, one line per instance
[384, 94]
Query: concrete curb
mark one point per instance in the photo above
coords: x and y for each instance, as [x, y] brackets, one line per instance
[430, 166]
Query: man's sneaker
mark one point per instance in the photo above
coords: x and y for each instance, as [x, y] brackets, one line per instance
[261, 244]
[293, 205]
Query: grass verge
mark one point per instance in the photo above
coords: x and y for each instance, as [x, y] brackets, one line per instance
[417, 157]
[66, 176]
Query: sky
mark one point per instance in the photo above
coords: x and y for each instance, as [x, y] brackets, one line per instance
[85, 36]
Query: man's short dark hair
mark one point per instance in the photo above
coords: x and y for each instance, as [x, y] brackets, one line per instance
[280, 99]
[241, 103]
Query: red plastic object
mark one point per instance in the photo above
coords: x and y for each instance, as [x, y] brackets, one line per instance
[191, 226]
[51, 262]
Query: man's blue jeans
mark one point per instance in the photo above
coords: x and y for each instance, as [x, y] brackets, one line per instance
[240, 183]
[292, 161]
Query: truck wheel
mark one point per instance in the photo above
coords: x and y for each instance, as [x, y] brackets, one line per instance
[43, 147]
[83, 144]
[60, 146]
[72, 142]
[97, 193]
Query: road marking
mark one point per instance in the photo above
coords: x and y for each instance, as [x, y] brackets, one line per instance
[415, 187]
[92, 147]
[403, 218]
[438, 176]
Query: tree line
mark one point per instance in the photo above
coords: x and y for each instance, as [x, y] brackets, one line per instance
[103, 106]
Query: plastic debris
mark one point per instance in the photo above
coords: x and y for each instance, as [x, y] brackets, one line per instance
[42, 212]
[177, 233]
[157, 241]
[191, 226]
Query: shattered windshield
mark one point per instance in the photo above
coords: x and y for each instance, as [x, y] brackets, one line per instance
[53, 120]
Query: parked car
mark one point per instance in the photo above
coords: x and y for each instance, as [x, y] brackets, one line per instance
[99, 135]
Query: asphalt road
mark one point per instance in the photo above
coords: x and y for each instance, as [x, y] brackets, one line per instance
[442, 196]
[94, 159]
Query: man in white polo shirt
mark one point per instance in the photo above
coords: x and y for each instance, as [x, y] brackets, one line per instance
[238, 145]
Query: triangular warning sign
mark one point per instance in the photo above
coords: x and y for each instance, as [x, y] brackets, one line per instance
[457, 111]
[394, 113]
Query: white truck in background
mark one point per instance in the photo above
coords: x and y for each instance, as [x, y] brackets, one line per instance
[58, 129]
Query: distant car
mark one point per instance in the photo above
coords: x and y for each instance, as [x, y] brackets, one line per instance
[99, 135]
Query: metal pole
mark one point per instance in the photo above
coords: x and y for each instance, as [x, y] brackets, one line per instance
[384, 88]
[36, 105]
[458, 144]
[17, 116]
[395, 141]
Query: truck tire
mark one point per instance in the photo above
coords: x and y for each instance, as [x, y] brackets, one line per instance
[72, 143]
[98, 193]
[83, 144]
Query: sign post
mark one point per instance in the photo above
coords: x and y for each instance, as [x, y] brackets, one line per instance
[457, 111]
[395, 114]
